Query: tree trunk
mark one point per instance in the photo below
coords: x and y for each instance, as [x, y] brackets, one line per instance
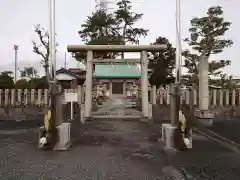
[123, 38]
[46, 72]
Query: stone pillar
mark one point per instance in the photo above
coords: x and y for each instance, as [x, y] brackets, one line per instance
[110, 88]
[161, 95]
[172, 112]
[124, 88]
[203, 84]
[144, 85]
[140, 92]
[80, 93]
[227, 98]
[154, 95]
[59, 109]
[187, 97]
[220, 97]
[202, 113]
[167, 95]
[233, 98]
[214, 98]
[88, 93]
[151, 94]
[238, 98]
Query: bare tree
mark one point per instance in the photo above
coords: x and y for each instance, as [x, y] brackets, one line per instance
[42, 48]
[29, 73]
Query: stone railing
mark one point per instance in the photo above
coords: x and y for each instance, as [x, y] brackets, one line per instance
[40, 97]
[29, 102]
[217, 98]
[26, 97]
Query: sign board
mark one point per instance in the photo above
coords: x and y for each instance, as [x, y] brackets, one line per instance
[71, 97]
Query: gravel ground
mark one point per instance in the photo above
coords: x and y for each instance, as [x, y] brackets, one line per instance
[115, 149]
[105, 150]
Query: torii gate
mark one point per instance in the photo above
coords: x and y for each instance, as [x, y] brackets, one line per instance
[89, 49]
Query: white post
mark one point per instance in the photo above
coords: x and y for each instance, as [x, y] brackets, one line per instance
[140, 89]
[154, 94]
[71, 117]
[220, 97]
[88, 93]
[53, 41]
[110, 88]
[227, 98]
[203, 84]
[214, 97]
[144, 84]
[233, 97]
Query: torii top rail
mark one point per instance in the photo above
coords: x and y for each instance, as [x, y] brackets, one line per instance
[89, 49]
[116, 48]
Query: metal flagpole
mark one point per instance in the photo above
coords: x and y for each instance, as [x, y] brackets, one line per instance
[179, 119]
[16, 47]
[52, 63]
[178, 42]
[175, 89]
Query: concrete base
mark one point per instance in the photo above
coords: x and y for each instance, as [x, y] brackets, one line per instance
[205, 117]
[64, 141]
[64, 137]
[168, 134]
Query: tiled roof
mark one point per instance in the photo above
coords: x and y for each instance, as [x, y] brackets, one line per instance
[76, 75]
[77, 70]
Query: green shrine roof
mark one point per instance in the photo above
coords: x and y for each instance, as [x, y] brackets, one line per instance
[117, 71]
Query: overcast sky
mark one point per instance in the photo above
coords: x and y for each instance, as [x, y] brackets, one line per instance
[18, 18]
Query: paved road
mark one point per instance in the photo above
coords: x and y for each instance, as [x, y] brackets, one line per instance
[114, 149]
[228, 129]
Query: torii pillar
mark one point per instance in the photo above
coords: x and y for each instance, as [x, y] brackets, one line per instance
[144, 83]
[88, 90]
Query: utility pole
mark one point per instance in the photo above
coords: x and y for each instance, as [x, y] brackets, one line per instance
[16, 47]
[176, 88]
[52, 74]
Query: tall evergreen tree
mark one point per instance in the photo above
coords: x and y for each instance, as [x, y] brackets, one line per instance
[207, 38]
[111, 28]
[162, 63]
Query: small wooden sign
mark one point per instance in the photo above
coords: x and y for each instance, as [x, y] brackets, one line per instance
[70, 97]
